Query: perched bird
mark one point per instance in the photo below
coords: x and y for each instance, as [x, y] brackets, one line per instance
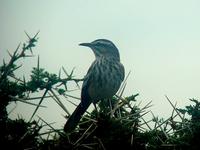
[102, 80]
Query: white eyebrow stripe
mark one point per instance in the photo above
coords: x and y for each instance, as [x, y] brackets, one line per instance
[104, 42]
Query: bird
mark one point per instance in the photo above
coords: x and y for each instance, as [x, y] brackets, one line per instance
[102, 81]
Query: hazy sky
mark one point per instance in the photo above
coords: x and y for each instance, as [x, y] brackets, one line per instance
[159, 42]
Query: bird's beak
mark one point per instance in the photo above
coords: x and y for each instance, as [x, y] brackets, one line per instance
[86, 44]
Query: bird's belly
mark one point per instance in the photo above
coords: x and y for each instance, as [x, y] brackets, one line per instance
[104, 89]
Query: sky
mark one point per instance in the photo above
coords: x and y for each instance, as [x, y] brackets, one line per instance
[158, 42]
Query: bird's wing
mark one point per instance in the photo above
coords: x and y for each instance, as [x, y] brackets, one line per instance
[122, 72]
[85, 97]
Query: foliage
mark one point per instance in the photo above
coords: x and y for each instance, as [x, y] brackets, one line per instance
[115, 124]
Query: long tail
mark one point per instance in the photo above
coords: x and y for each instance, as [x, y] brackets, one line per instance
[74, 119]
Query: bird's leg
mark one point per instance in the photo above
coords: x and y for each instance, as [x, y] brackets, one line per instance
[111, 107]
[97, 112]
[110, 103]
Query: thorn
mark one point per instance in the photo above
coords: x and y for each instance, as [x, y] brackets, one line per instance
[59, 74]
[24, 80]
[16, 49]
[17, 67]
[4, 63]
[9, 54]
[39, 104]
[29, 56]
[38, 63]
[31, 50]
[77, 84]
[65, 71]
[36, 34]
[65, 86]
[27, 35]
[70, 76]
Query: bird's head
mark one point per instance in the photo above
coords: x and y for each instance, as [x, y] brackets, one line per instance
[103, 48]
